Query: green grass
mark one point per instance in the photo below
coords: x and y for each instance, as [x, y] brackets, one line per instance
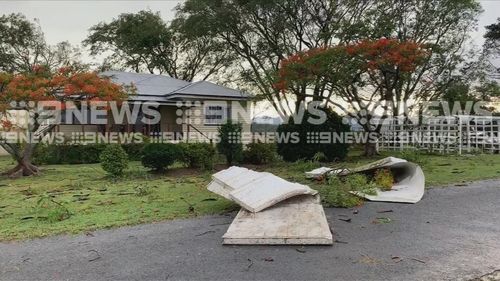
[141, 197]
[109, 203]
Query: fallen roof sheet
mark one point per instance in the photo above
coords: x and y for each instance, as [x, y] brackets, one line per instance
[409, 178]
[297, 221]
[226, 181]
[267, 191]
[409, 181]
[318, 173]
[409, 188]
[255, 191]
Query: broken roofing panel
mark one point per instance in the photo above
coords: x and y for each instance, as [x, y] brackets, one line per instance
[226, 181]
[409, 183]
[269, 214]
[254, 191]
[267, 191]
[409, 179]
[296, 221]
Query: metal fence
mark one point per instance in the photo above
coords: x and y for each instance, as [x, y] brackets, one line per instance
[443, 134]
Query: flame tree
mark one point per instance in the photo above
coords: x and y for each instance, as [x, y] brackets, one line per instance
[366, 79]
[22, 92]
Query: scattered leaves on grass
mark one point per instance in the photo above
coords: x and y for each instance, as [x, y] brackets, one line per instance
[81, 197]
[27, 218]
[190, 206]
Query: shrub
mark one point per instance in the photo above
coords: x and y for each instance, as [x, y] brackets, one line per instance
[319, 157]
[301, 149]
[67, 154]
[133, 150]
[158, 156]
[384, 179]
[198, 155]
[114, 160]
[337, 194]
[259, 153]
[230, 142]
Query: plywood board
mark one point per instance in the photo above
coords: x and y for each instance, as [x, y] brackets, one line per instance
[297, 221]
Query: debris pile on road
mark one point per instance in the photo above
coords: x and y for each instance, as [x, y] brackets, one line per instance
[274, 211]
[409, 179]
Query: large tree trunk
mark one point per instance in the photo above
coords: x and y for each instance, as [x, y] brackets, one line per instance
[370, 149]
[24, 166]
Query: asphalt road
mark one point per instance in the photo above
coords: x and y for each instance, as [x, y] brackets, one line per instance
[452, 234]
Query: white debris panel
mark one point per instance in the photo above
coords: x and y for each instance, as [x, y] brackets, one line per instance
[274, 211]
[255, 191]
[318, 173]
[408, 189]
[297, 221]
[409, 179]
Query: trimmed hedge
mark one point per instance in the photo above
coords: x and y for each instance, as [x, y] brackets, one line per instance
[67, 154]
[198, 155]
[302, 150]
[260, 153]
[158, 156]
[79, 154]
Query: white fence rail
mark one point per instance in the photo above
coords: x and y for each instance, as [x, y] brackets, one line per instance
[443, 134]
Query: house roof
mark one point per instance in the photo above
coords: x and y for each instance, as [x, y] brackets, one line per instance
[161, 88]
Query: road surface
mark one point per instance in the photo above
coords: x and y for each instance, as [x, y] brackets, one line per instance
[452, 234]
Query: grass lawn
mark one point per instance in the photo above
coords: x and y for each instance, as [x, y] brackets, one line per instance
[96, 202]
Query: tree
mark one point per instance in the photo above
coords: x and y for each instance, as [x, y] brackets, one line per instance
[356, 78]
[143, 41]
[22, 92]
[23, 46]
[262, 33]
[492, 43]
[230, 144]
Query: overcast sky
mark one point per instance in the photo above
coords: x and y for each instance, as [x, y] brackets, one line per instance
[70, 20]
